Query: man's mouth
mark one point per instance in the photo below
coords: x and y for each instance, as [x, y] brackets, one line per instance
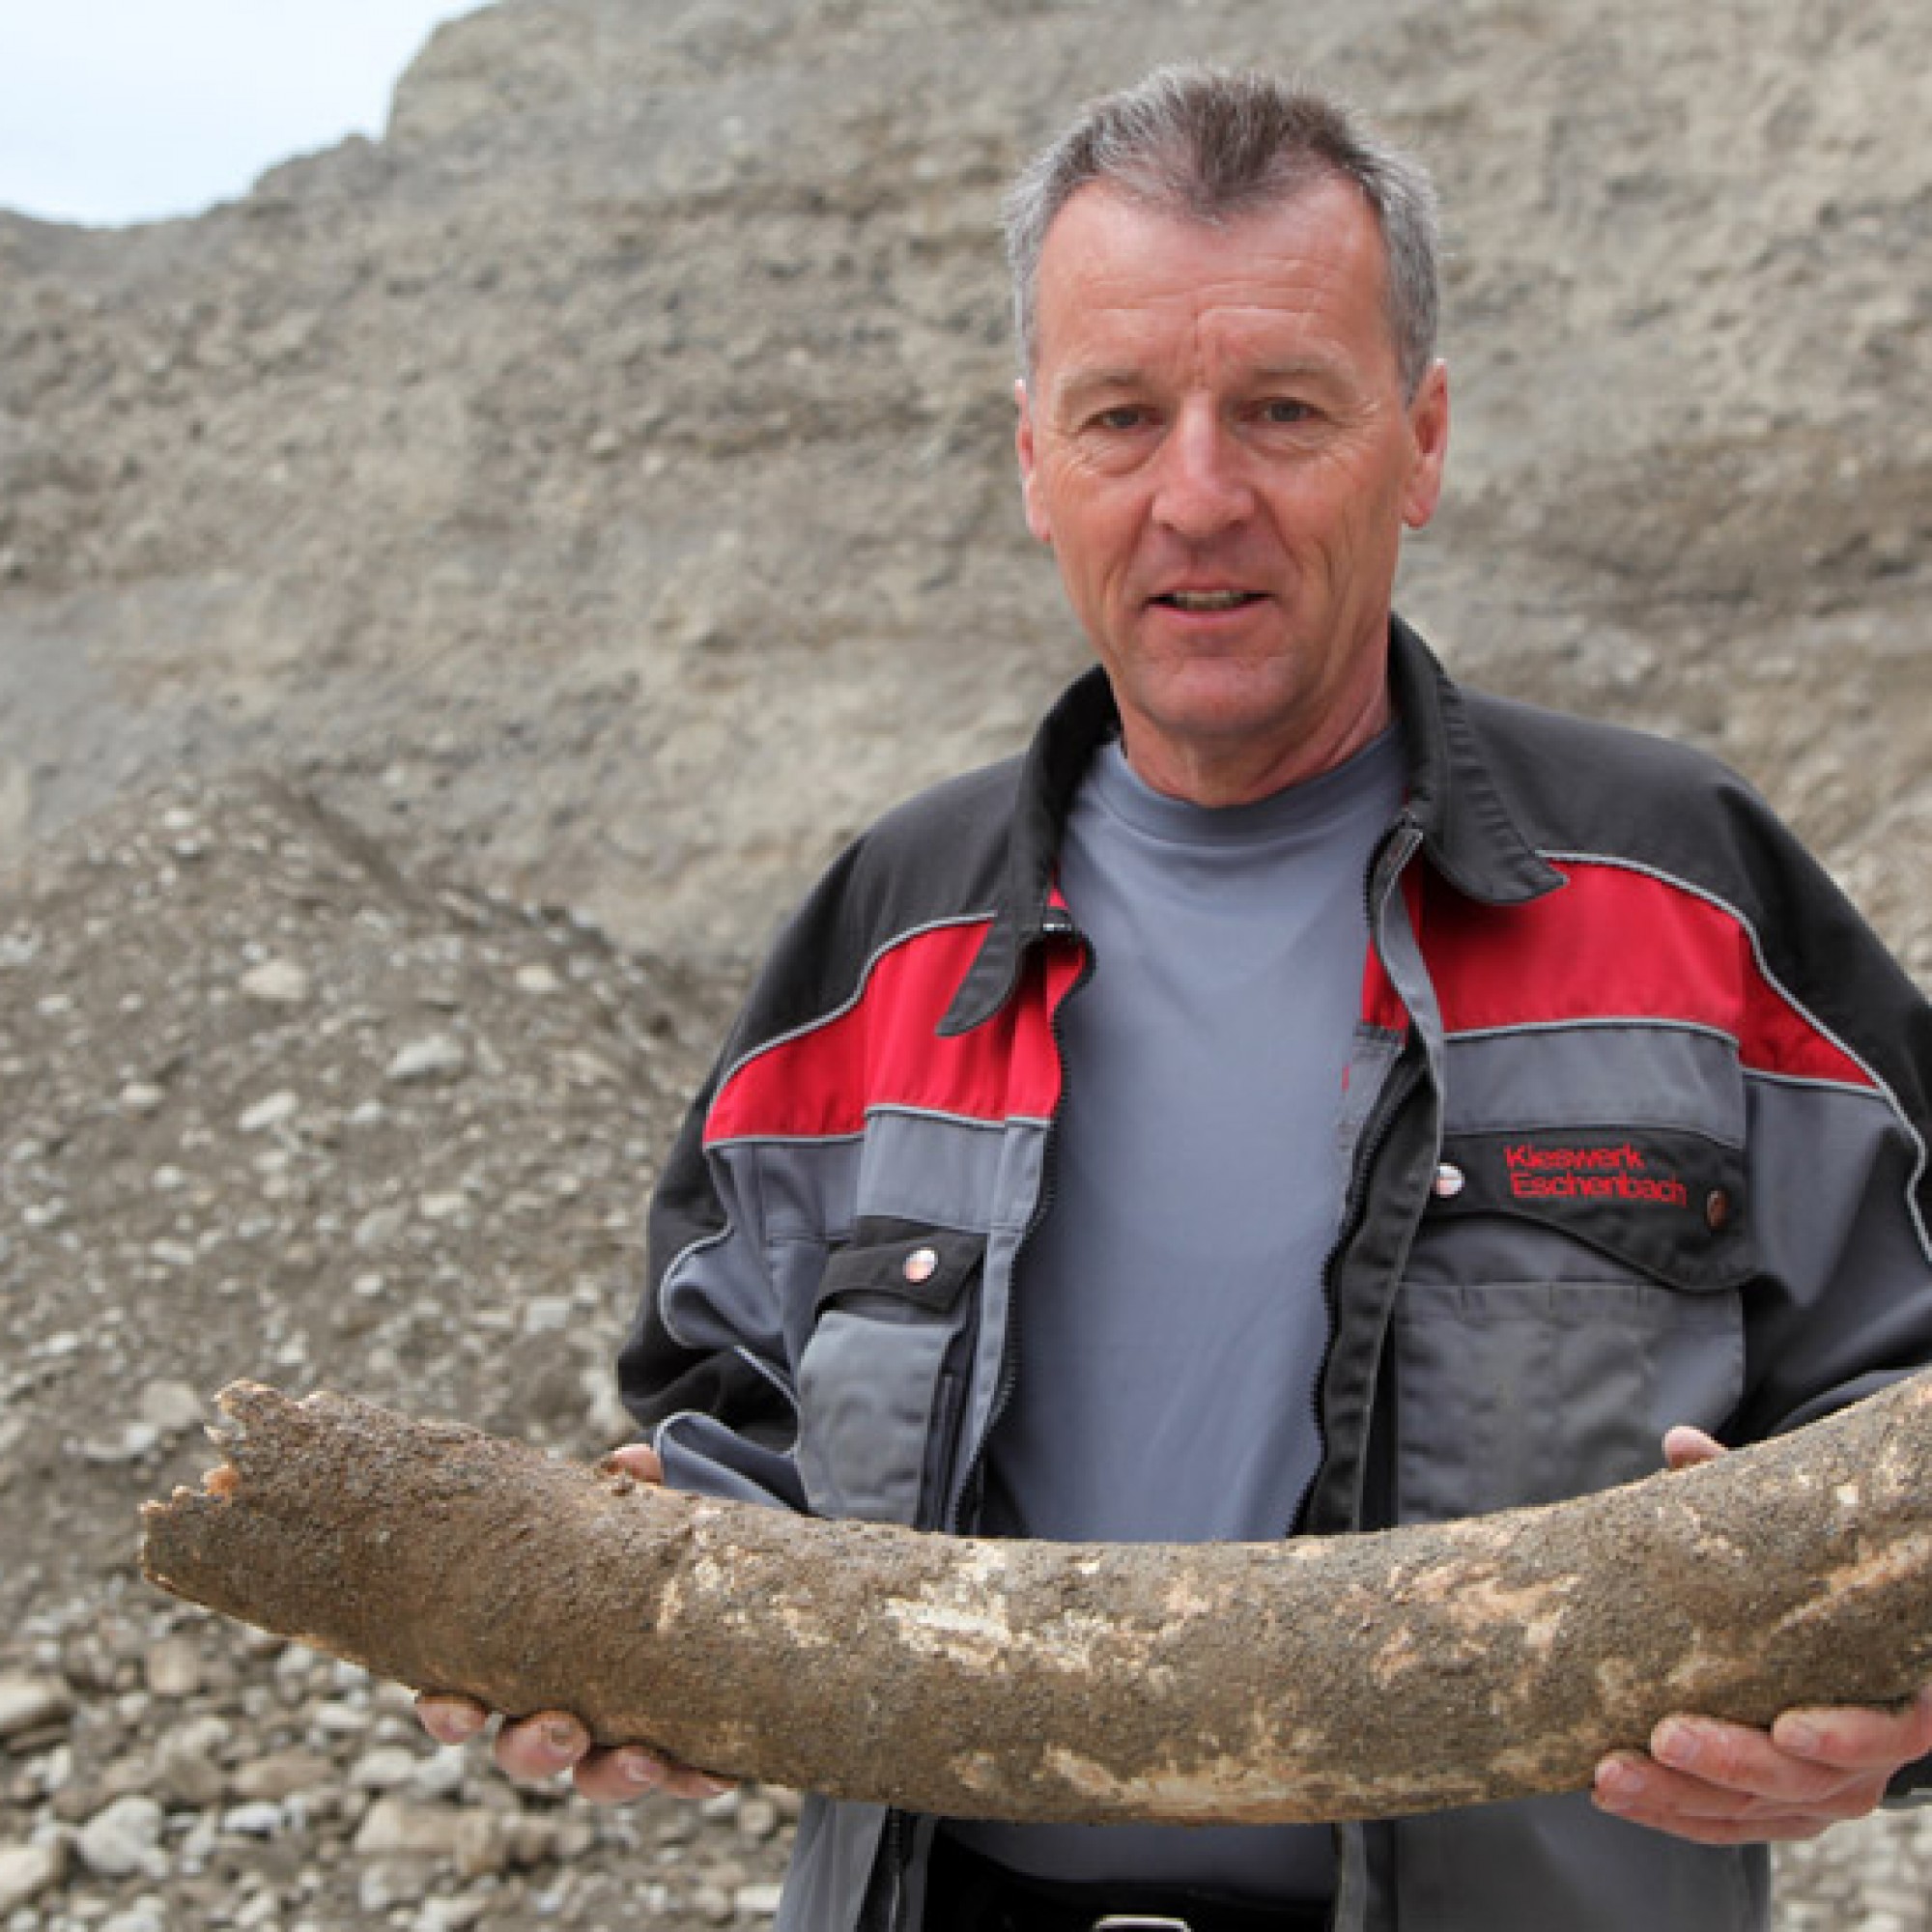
[1208, 600]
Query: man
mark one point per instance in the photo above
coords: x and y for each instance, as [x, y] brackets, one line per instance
[1299, 1095]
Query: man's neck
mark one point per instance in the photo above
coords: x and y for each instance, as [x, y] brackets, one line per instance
[1213, 778]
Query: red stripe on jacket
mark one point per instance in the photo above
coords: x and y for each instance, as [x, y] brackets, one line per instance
[1612, 944]
[885, 1050]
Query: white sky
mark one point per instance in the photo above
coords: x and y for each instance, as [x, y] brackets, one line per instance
[114, 112]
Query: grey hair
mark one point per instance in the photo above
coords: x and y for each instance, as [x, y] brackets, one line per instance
[1209, 145]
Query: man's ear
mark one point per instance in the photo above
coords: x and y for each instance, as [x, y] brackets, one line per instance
[1429, 428]
[1023, 446]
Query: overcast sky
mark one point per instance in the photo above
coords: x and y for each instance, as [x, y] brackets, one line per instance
[114, 112]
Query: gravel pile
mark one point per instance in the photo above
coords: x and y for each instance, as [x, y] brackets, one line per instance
[275, 1110]
[1875, 1877]
[163, 1772]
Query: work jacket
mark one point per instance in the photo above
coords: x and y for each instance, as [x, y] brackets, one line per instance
[1636, 1127]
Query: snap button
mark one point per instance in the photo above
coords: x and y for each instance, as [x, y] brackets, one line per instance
[922, 1264]
[1450, 1181]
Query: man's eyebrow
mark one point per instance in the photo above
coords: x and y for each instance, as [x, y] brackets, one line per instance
[1296, 369]
[1083, 385]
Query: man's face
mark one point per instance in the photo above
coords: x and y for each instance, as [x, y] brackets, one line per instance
[1216, 443]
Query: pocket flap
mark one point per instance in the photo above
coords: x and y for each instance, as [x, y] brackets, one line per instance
[925, 1268]
[1669, 1202]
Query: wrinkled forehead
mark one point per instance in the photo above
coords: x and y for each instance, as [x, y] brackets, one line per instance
[1303, 276]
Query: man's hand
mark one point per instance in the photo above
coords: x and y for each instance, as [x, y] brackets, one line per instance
[1729, 1784]
[536, 1749]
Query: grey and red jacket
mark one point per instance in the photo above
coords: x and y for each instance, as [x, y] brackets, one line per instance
[1638, 1122]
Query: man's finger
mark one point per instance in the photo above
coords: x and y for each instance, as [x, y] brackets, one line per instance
[618, 1776]
[680, 1780]
[1736, 1758]
[1639, 1788]
[1641, 1791]
[1857, 1737]
[1685, 1447]
[628, 1772]
[641, 1459]
[543, 1746]
[451, 1721]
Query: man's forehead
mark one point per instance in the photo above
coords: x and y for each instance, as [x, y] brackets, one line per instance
[1107, 215]
[1124, 281]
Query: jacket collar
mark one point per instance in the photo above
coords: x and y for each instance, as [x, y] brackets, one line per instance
[1469, 833]
[1083, 719]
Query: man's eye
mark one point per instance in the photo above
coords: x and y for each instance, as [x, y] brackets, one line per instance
[1285, 409]
[1121, 416]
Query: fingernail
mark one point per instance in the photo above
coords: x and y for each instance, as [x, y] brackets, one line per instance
[559, 1734]
[1674, 1743]
[641, 1770]
[1617, 1781]
[449, 1723]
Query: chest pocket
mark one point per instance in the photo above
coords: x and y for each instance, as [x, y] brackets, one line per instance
[882, 1372]
[1571, 1294]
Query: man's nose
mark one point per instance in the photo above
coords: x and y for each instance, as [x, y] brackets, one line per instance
[1202, 488]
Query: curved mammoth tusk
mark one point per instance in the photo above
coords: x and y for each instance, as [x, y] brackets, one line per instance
[1318, 1679]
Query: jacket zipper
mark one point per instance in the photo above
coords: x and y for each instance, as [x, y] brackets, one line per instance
[900, 1825]
[1398, 846]
[1056, 925]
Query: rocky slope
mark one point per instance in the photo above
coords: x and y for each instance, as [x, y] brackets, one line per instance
[585, 508]
[276, 1110]
[619, 453]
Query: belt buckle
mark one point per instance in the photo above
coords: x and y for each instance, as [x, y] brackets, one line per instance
[1139, 1921]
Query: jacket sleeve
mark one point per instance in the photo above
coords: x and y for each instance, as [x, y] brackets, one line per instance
[1838, 1121]
[756, 1194]
[710, 1385]
[732, 1263]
